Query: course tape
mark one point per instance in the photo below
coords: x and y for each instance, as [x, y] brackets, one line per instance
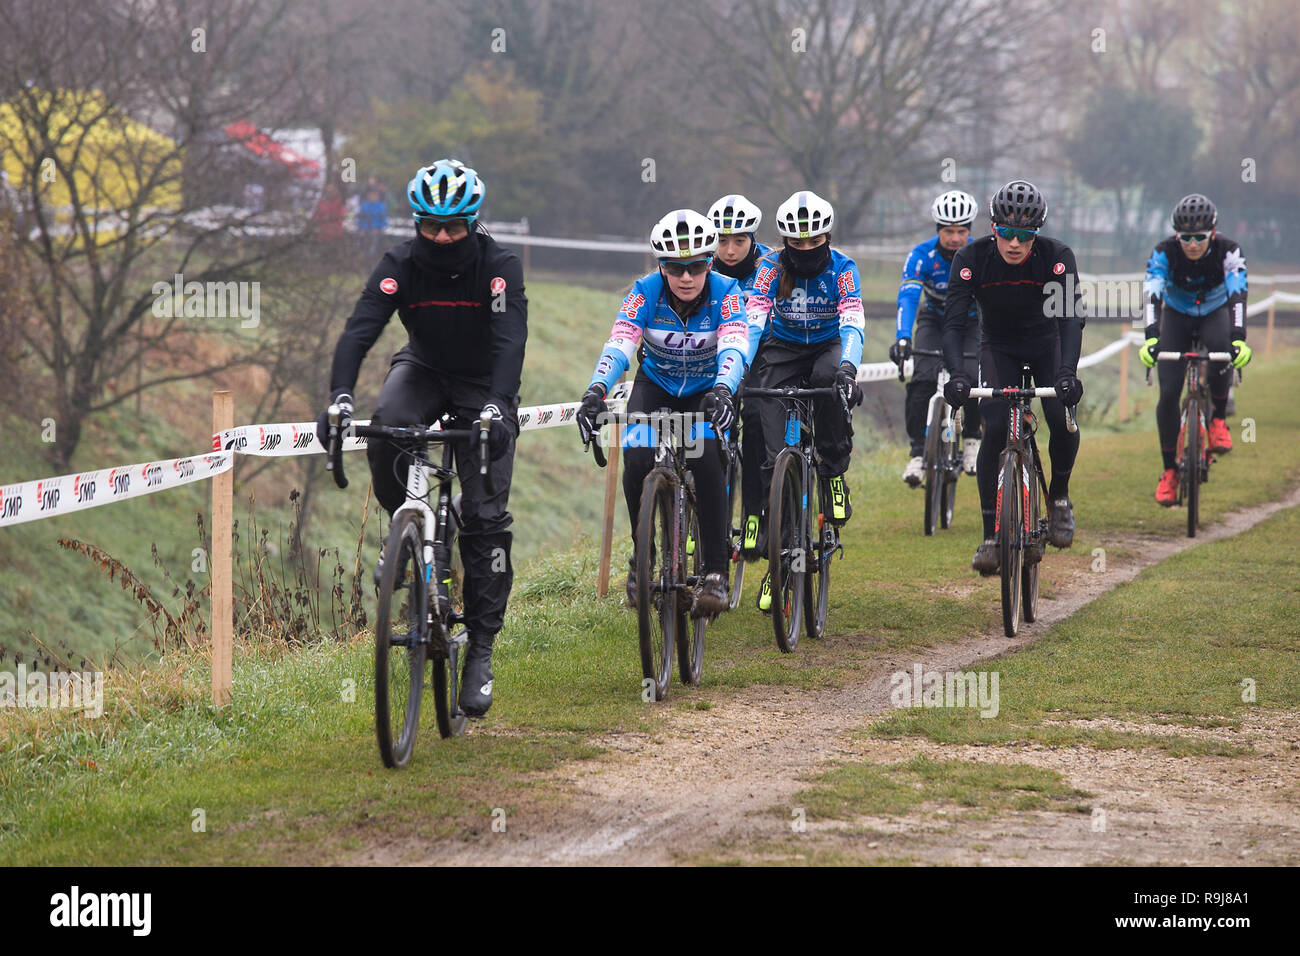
[49, 497]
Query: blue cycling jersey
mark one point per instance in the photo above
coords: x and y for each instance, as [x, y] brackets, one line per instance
[682, 358]
[1196, 286]
[926, 271]
[818, 309]
[758, 330]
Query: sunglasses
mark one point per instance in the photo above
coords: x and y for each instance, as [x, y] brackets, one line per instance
[1193, 236]
[696, 268]
[454, 228]
[1024, 235]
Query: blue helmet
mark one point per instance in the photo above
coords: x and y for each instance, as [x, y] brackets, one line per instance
[446, 188]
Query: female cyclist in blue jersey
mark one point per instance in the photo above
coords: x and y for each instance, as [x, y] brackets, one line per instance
[812, 294]
[737, 221]
[687, 323]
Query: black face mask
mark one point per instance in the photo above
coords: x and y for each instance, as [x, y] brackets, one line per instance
[742, 268]
[806, 263]
[449, 258]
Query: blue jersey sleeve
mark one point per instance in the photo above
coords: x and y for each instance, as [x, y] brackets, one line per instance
[909, 292]
[625, 337]
[853, 320]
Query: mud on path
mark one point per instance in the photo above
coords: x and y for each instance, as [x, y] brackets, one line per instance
[711, 784]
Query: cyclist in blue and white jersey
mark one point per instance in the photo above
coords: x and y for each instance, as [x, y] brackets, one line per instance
[737, 221]
[813, 296]
[925, 284]
[688, 326]
[1195, 282]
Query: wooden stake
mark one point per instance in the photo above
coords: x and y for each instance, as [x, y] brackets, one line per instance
[611, 501]
[1123, 384]
[219, 563]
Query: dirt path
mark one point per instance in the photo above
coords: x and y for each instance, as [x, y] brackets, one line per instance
[708, 781]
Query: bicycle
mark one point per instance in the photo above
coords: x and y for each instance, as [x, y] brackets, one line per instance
[1194, 458]
[669, 561]
[942, 462]
[799, 555]
[412, 626]
[735, 532]
[1021, 523]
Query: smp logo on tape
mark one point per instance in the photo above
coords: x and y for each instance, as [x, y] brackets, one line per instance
[47, 495]
[184, 467]
[267, 440]
[83, 488]
[152, 474]
[216, 462]
[11, 502]
[237, 441]
[302, 439]
[119, 481]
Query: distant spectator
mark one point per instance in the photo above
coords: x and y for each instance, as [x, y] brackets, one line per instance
[254, 197]
[373, 218]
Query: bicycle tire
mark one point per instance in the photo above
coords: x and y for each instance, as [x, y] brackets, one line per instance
[690, 629]
[656, 582]
[447, 668]
[933, 469]
[817, 579]
[1009, 541]
[1192, 463]
[1029, 570]
[952, 455]
[736, 534]
[787, 548]
[399, 677]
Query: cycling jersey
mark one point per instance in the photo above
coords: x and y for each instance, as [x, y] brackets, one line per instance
[682, 358]
[757, 320]
[818, 310]
[1196, 286]
[1037, 299]
[925, 271]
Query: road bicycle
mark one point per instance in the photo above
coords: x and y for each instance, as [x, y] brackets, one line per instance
[417, 613]
[1021, 524]
[942, 460]
[668, 557]
[801, 540]
[1194, 458]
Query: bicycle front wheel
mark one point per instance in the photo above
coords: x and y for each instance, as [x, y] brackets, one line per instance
[951, 449]
[656, 580]
[817, 580]
[1010, 557]
[787, 542]
[735, 533]
[401, 641]
[1037, 546]
[690, 629]
[1192, 463]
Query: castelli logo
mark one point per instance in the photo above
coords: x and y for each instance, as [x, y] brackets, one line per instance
[965, 273]
[498, 285]
[388, 286]
[1059, 268]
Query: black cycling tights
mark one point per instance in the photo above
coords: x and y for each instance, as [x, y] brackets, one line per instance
[1176, 331]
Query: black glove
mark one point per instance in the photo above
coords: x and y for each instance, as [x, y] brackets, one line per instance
[718, 408]
[957, 391]
[344, 401]
[590, 413]
[900, 351]
[846, 380]
[1068, 387]
[498, 434]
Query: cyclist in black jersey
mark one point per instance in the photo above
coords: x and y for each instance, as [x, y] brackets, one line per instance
[1195, 284]
[1027, 288]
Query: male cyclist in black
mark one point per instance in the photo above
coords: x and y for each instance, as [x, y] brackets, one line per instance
[1020, 280]
[1196, 283]
[461, 298]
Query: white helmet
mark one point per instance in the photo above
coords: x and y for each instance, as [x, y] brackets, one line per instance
[683, 233]
[804, 215]
[954, 208]
[735, 214]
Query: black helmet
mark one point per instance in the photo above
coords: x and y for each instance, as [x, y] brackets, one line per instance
[1194, 212]
[1019, 204]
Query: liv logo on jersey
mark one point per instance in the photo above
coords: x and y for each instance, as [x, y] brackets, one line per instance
[682, 341]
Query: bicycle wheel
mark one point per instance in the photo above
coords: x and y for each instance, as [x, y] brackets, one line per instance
[656, 579]
[400, 641]
[787, 548]
[1036, 545]
[447, 667]
[1010, 554]
[735, 533]
[951, 450]
[817, 579]
[1192, 463]
[933, 467]
[690, 629]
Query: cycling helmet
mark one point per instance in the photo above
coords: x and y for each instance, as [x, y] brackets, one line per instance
[1194, 212]
[446, 188]
[683, 233]
[804, 215]
[954, 208]
[735, 214]
[1018, 204]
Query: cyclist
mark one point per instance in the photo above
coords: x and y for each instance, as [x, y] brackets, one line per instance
[925, 283]
[687, 324]
[1018, 278]
[737, 221]
[812, 293]
[461, 298]
[1195, 284]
